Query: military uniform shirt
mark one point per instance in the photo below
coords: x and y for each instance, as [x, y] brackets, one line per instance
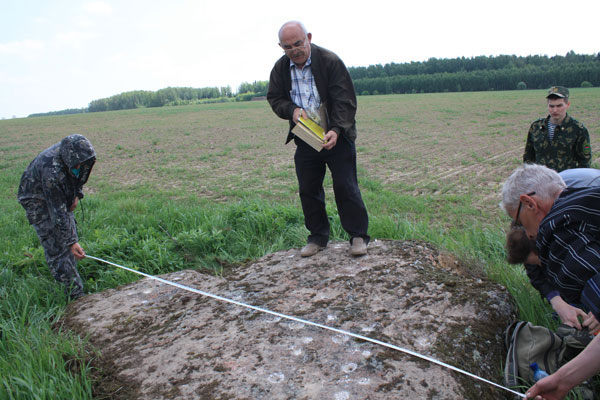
[569, 147]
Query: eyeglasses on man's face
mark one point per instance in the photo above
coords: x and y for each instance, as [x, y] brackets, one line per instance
[296, 45]
[516, 222]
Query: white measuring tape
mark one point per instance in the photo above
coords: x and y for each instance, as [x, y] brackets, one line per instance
[354, 335]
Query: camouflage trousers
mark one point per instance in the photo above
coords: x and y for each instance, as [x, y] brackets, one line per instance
[61, 261]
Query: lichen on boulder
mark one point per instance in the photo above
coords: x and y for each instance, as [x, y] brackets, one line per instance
[157, 341]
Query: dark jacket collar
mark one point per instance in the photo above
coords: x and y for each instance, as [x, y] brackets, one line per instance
[565, 121]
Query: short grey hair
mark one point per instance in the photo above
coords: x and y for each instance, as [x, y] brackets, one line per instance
[545, 182]
[293, 23]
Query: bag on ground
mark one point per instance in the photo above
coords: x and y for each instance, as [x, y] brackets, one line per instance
[527, 344]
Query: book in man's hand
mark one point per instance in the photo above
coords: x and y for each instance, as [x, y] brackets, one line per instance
[311, 132]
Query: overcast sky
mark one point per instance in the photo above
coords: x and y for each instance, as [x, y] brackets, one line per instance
[63, 54]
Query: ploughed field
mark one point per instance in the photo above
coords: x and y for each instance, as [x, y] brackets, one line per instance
[444, 144]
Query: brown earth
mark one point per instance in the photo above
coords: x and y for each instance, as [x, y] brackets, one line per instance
[421, 144]
[155, 341]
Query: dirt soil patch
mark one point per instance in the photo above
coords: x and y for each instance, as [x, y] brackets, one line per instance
[420, 145]
[156, 341]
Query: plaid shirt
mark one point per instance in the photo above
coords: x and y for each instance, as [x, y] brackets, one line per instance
[304, 91]
[334, 87]
[568, 241]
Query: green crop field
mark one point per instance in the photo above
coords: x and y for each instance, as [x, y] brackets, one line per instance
[209, 186]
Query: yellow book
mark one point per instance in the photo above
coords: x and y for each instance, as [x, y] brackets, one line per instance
[310, 132]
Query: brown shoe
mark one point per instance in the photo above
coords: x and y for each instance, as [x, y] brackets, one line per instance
[358, 247]
[310, 249]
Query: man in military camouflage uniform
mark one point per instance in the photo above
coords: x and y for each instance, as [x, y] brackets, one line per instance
[558, 141]
[49, 191]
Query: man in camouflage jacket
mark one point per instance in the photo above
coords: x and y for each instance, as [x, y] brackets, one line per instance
[49, 191]
[558, 141]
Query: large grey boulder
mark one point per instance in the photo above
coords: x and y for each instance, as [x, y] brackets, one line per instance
[156, 341]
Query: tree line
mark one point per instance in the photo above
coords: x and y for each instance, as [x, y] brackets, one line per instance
[531, 77]
[159, 98]
[175, 96]
[61, 112]
[478, 74]
[462, 64]
[504, 72]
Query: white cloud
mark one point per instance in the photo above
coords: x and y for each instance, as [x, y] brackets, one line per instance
[21, 47]
[41, 20]
[98, 8]
[74, 39]
[22, 52]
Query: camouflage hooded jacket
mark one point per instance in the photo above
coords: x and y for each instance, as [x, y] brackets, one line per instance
[48, 186]
[569, 148]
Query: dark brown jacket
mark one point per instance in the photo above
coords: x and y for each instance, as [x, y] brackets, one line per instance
[333, 83]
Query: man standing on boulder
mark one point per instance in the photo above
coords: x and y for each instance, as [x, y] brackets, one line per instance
[309, 78]
[49, 191]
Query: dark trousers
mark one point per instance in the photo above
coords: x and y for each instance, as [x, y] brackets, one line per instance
[310, 170]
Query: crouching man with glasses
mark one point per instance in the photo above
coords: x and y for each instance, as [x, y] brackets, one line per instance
[565, 224]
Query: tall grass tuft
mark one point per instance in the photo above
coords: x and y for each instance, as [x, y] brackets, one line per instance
[35, 361]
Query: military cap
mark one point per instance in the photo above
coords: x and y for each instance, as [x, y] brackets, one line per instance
[558, 91]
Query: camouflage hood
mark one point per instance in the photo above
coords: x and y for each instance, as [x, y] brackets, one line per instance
[77, 150]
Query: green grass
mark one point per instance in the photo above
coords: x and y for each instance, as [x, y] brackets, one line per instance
[36, 361]
[148, 231]
[211, 186]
